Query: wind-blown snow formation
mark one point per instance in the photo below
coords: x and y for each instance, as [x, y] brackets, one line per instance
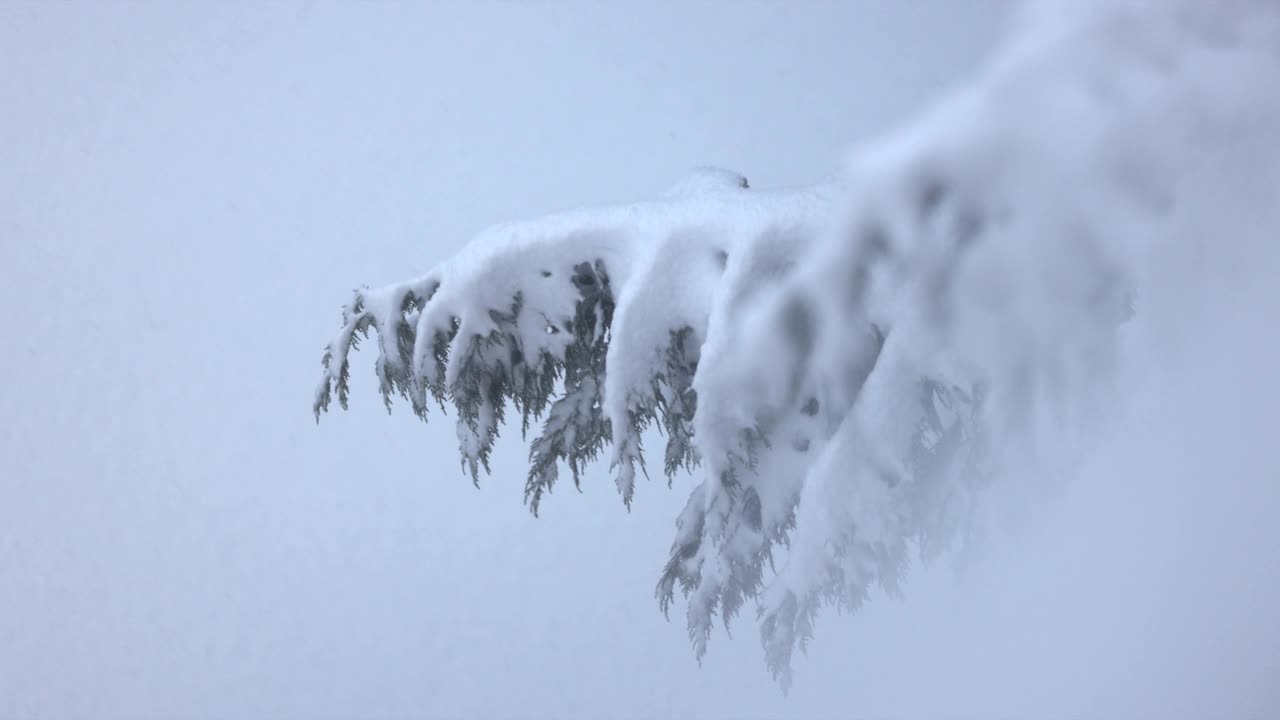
[849, 366]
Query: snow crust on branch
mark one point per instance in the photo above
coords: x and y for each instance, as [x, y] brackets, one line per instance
[848, 367]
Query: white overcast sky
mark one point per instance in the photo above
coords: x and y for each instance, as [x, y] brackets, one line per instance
[189, 191]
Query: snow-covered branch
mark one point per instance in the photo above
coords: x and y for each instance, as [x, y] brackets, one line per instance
[849, 366]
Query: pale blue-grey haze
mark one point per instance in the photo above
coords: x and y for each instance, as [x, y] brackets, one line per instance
[188, 191]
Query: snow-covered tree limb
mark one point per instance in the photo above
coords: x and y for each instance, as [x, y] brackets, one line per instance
[849, 366]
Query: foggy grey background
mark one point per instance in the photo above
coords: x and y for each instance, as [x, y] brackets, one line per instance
[189, 191]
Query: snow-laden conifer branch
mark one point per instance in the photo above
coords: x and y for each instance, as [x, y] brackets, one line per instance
[527, 317]
[849, 367]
